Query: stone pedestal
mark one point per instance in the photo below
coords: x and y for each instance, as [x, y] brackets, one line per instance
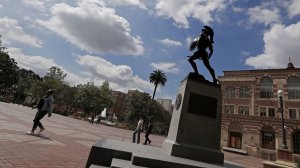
[284, 160]
[195, 128]
[285, 155]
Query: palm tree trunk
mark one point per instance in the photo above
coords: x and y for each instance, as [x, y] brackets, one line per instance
[154, 91]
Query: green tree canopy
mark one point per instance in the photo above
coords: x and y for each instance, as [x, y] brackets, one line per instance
[8, 71]
[94, 99]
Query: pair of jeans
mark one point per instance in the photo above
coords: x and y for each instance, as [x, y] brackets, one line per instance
[36, 121]
[138, 131]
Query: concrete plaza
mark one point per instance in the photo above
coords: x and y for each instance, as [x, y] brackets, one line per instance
[66, 142]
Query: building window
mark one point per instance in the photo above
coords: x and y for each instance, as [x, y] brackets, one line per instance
[230, 92]
[271, 112]
[268, 140]
[243, 110]
[229, 109]
[296, 142]
[244, 92]
[292, 114]
[266, 88]
[263, 111]
[293, 85]
[235, 140]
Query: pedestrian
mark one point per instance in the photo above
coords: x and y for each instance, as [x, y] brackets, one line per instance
[92, 118]
[149, 129]
[44, 106]
[98, 120]
[138, 131]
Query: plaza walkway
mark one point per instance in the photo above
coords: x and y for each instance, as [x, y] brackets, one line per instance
[65, 143]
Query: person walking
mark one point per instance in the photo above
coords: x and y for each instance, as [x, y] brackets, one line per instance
[138, 131]
[149, 129]
[92, 118]
[44, 106]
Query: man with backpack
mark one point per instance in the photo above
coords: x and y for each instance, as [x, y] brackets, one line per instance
[44, 106]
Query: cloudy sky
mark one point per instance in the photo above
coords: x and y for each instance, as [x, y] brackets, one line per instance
[123, 41]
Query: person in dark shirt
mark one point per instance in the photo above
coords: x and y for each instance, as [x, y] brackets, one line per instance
[149, 129]
[204, 41]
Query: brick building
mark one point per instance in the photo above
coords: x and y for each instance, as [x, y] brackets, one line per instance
[251, 121]
[119, 104]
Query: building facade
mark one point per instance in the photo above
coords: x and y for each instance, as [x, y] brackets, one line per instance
[251, 121]
[119, 104]
[166, 103]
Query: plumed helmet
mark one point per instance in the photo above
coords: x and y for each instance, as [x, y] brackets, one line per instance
[210, 31]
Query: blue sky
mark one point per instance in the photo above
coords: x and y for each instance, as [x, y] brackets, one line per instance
[123, 41]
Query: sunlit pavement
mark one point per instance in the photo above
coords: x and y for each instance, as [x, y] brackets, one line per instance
[65, 143]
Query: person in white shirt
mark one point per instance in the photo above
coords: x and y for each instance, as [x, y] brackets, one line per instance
[44, 107]
[138, 131]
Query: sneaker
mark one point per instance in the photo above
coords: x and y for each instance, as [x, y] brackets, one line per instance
[41, 130]
[29, 133]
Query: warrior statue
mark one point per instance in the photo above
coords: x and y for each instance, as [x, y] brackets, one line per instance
[204, 41]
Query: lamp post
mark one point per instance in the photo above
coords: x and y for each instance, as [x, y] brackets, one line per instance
[280, 96]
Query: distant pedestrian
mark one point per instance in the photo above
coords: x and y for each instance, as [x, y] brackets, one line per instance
[138, 131]
[44, 106]
[92, 119]
[149, 129]
[98, 120]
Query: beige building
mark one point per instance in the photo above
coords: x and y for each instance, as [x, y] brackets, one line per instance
[251, 121]
[166, 103]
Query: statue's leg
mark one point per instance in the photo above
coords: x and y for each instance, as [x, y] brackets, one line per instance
[191, 60]
[211, 70]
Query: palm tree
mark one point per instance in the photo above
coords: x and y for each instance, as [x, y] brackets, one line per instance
[157, 77]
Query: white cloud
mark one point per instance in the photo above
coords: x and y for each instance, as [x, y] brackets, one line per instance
[94, 28]
[137, 3]
[168, 67]
[121, 77]
[37, 4]
[281, 42]
[12, 32]
[169, 42]
[181, 10]
[1, 6]
[294, 8]
[40, 65]
[261, 14]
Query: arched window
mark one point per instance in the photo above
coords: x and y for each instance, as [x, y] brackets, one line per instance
[267, 138]
[235, 135]
[296, 142]
[230, 92]
[266, 87]
[244, 92]
[293, 84]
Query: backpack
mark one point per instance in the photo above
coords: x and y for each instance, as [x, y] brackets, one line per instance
[40, 103]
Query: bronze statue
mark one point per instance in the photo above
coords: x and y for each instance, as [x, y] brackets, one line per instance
[204, 41]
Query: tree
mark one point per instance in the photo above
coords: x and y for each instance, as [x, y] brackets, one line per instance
[27, 79]
[94, 99]
[137, 107]
[8, 71]
[157, 78]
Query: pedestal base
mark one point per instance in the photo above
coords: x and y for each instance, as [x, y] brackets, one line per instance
[112, 153]
[193, 152]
